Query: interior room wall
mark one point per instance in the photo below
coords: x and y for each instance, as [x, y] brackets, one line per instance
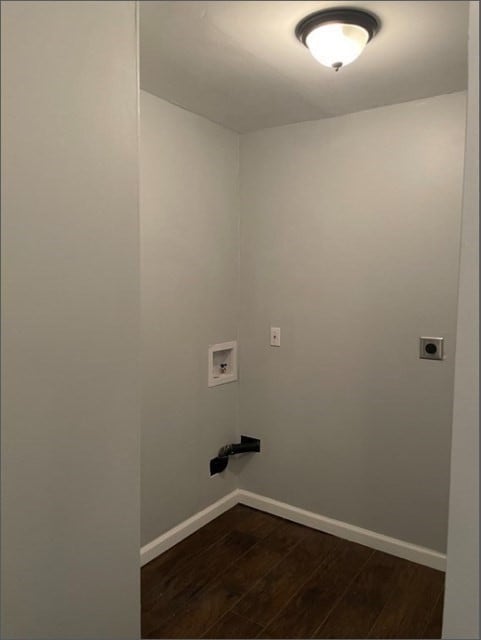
[190, 299]
[70, 321]
[461, 608]
[350, 243]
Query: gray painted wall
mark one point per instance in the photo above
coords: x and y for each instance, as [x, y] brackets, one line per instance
[190, 298]
[461, 607]
[349, 243]
[70, 401]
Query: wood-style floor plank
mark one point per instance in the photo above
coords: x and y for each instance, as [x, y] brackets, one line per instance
[271, 594]
[233, 626]
[250, 574]
[308, 608]
[411, 604]
[434, 626]
[176, 589]
[210, 604]
[357, 611]
[238, 519]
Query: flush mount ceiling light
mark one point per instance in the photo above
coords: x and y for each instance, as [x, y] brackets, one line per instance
[336, 37]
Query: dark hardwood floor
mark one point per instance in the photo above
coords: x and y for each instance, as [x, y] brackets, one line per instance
[248, 574]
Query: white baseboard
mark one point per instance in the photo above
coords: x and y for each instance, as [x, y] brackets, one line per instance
[185, 528]
[378, 541]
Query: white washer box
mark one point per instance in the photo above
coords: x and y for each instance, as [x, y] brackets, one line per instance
[222, 363]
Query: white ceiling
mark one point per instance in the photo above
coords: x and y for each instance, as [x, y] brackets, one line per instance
[240, 65]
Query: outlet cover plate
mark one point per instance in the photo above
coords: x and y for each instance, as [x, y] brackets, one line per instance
[431, 348]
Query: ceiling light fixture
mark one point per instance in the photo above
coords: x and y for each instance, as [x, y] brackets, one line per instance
[336, 37]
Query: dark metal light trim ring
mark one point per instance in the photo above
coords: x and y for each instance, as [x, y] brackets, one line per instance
[347, 16]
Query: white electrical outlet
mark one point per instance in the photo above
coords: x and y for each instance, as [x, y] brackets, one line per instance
[275, 336]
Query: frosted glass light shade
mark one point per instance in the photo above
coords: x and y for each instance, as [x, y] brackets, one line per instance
[336, 44]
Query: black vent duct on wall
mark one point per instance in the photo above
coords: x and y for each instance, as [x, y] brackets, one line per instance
[246, 445]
